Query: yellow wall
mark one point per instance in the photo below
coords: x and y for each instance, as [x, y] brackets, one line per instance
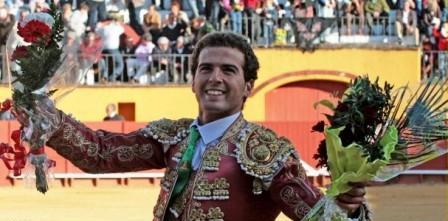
[278, 67]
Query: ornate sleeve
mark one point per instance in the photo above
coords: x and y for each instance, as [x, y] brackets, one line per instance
[292, 191]
[295, 195]
[105, 152]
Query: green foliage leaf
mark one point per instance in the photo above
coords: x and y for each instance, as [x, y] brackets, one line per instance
[325, 103]
[349, 164]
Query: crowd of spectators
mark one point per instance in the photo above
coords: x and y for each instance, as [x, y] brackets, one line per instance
[127, 39]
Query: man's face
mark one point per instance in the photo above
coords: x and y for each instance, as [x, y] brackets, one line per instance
[219, 83]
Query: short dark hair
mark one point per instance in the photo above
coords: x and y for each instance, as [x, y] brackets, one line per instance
[232, 40]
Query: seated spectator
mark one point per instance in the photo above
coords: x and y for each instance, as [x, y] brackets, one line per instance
[162, 61]
[174, 28]
[78, 20]
[427, 58]
[441, 36]
[200, 27]
[355, 9]
[327, 8]
[407, 22]
[127, 49]
[138, 66]
[152, 23]
[375, 9]
[112, 115]
[181, 53]
[90, 56]
[178, 13]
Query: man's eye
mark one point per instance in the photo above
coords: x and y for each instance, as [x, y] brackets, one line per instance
[229, 70]
[204, 69]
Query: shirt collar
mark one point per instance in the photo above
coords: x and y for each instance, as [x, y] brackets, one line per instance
[214, 130]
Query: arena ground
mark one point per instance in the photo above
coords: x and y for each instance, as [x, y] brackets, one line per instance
[423, 202]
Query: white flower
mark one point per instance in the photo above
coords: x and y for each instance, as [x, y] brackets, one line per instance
[18, 86]
[39, 16]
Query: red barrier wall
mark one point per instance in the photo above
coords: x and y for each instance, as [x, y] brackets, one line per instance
[298, 132]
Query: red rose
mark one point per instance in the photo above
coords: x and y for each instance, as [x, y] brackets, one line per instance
[15, 136]
[20, 52]
[33, 31]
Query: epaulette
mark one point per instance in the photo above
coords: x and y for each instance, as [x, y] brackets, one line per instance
[261, 153]
[168, 132]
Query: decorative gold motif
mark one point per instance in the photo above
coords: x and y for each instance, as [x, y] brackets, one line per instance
[181, 201]
[197, 215]
[168, 179]
[178, 155]
[76, 144]
[221, 189]
[168, 131]
[202, 189]
[292, 198]
[216, 190]
[215, 214]
[261, 153]
[257, 186]
[211, 160]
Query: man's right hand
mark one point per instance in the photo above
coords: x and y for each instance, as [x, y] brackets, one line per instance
[39, 123]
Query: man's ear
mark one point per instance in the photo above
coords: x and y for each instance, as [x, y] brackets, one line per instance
[249, 85]
[192, 84]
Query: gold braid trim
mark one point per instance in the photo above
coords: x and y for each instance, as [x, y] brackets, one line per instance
[261, 153]
[168, 132]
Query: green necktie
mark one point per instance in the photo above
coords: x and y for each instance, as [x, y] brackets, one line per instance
[184, 168]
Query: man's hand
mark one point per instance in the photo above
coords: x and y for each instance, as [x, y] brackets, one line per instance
[353, 199]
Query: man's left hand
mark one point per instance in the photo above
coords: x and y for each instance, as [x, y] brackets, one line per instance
[353, 199]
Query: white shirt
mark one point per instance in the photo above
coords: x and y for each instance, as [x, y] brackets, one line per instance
[210, 135]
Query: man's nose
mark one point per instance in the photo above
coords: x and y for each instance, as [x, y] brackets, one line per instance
[216, 75]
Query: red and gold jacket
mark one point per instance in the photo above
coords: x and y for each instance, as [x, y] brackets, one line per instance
[249, 174]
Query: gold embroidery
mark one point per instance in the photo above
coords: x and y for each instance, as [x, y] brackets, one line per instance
[180, 202]
[168, 179]
[221, 189]
[292, 198]
[202, 189]
[215, 214]
[197, 215]
[168, 131]
[257, 186]
[260, 153]
[124, 153]
[211, 160]
[216, 190]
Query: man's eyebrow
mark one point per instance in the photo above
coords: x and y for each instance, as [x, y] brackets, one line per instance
[229, 66]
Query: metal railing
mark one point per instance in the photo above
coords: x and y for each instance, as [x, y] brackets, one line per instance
[265, 32]
[155, 69]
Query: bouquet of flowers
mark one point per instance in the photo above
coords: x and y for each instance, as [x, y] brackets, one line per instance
[374, 135]
[40, 64]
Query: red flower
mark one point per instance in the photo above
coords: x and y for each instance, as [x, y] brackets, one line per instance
[15, 136]
[33, 31]
[20, 52]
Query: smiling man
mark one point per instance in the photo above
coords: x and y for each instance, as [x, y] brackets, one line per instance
[218, 166]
